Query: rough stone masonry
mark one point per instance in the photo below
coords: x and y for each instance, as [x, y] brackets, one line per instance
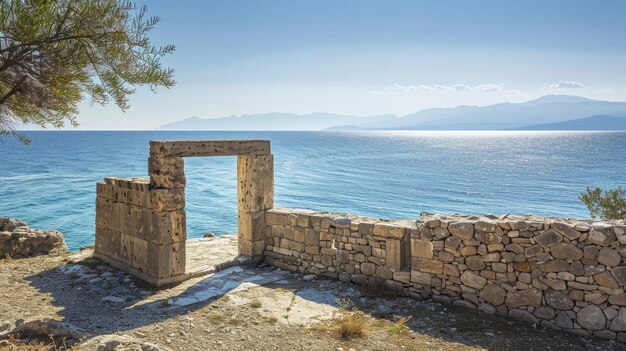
[558, 273]
[141, 223]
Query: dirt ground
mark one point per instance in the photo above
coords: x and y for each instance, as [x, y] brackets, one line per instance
[258, 308]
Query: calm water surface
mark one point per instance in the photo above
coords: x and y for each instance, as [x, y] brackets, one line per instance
[51, 183]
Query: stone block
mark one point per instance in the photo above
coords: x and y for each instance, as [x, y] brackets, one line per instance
[168, 227]
[251, 248]
[167, 199]
[421, 248]
[255, 182]
[388, 230]
[166, 260]
[193, 148]
[166, 172]
[311, 237]
[395, 254]
[105, 215]
[251, 226]
[108, 242]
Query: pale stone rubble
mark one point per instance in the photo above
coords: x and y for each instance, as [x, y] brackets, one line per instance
[17, 239]
[557, 273]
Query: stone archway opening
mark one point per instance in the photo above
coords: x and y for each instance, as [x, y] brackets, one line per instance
[141, 224]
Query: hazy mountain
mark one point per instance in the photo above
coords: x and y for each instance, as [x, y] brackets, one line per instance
[601, 122]
[549, 109]
[275, 121]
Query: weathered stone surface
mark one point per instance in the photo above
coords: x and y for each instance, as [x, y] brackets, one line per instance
[493, 294]
[565, 230]
[528, 297]
[522, 315]
[523, 266]
[473, 280]
[619, 273]
[485, 226]
[548, 238]
[463, 230]
[619, 322]
[187, 148]
[606, 280]
[475, 263]
[431, 266]
[563, 321]
[558, 300]
[557, 265]
[421, 277]
[566, 251]
[591, 318]
[544, 313]
[421, 248]
[601, 235]
[618, 299]
[609, 257]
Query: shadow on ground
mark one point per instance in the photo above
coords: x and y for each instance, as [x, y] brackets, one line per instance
[101, 300]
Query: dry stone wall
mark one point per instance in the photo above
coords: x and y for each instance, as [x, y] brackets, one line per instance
[557, 273]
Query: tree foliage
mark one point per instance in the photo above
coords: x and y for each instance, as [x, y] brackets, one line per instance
[605, 204]
[54, 52]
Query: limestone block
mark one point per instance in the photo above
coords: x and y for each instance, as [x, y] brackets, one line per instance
[140, 253]
[255, 182]
[527, 297]
[275, 218]
[252, 248]
[105, 215]
[463, 230]
[473, 280]
[167, 227]
[591, 318]
[251, 226]
[104, 190]
[395, 253]
[311, 237]
[166, 172]
[566, 251]
[548, 238]
[166, 260]
[493, 294]
[184, 148]
[558, 300]
[167, 199]
[108, 242]
[565, 230]
[421, 277]
[421, 248]
[389, 230]
[609, 257]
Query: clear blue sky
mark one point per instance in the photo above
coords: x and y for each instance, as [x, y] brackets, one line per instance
[373, 57]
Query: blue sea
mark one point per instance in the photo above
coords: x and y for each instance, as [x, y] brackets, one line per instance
[51, 183]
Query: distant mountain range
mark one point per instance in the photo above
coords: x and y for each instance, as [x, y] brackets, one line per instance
[551, 112]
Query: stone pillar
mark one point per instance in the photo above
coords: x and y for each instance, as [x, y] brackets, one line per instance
[166, 248]
[255, 195]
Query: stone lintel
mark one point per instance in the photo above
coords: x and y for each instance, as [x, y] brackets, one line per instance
[191, 148]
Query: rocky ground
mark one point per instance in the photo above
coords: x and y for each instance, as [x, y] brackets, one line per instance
[239, 308]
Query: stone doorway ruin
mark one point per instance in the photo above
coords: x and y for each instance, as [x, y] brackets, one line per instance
[141, 223]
